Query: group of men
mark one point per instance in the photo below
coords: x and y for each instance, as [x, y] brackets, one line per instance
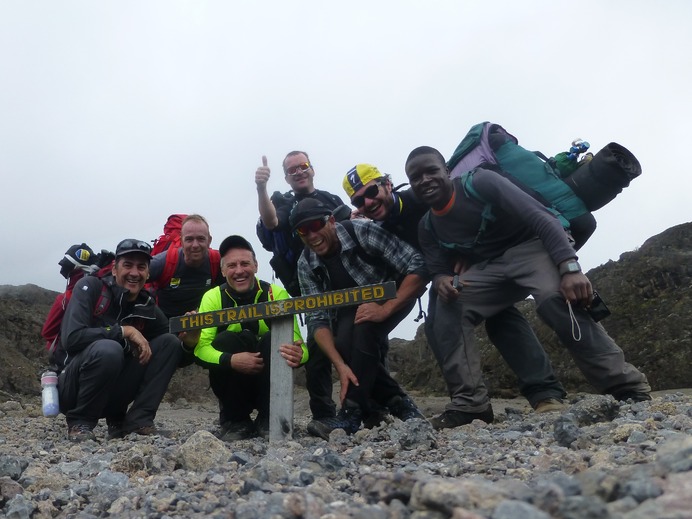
[121, 357]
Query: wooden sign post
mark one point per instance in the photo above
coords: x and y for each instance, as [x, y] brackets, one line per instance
[281, 313]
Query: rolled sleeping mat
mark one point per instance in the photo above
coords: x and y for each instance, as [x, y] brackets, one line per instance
[601, 179]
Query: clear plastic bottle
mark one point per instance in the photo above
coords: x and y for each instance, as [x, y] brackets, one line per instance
[49, 395]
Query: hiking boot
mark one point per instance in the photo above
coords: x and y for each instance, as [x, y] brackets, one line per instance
[348, 418]
[151, 430]
[376, 415]
[239, 430]
[452, 418]
[403, 408]
[634, 396]
[548, 405]
[115, 430]
[262, 425]
[80, 432]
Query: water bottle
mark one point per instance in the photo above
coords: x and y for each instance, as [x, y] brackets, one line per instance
[578, 147]
[49, 395]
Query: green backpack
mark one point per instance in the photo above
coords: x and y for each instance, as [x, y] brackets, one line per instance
[569, 188]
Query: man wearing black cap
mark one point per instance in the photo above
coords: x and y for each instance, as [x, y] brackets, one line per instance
[118, 350]
[237, 355]
[352, 337]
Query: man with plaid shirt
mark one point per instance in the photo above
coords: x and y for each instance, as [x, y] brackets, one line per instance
[338, 258]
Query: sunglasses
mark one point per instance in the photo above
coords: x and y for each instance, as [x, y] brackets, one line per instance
[312, 226]
[300, 168]
[135, 244]
[371, 192]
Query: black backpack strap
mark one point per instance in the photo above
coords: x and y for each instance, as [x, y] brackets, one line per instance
[103, 301]
[266, 294]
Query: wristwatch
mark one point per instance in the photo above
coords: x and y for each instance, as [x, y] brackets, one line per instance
[569, 267]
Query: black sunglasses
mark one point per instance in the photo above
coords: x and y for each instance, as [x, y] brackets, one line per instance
[371, 192]
[135, 244]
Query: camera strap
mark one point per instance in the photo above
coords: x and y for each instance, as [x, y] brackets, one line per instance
[576, 330]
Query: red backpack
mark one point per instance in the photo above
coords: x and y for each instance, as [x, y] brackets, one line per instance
[51, 327]
[171, 234]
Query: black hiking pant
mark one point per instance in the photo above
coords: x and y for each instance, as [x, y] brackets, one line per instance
[240, 394]
[102, 380]
[360, 345]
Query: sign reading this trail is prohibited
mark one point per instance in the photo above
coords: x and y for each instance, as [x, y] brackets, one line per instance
[296, 305]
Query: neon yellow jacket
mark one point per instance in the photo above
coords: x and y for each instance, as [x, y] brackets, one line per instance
[211, 301]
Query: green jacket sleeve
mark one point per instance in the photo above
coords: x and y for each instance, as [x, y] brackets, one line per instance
[204, 351]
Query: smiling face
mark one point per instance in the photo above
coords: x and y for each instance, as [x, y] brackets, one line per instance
[195, 240]
[429, 180]
[298, 176]
[323, 241]
[376, 208]
[131, 271]
[239, 267]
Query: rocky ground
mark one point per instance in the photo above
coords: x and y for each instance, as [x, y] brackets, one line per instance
[597, 459]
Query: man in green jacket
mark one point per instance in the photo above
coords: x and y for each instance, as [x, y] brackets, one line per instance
[238, 355]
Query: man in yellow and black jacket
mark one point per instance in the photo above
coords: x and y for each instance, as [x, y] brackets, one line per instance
[238, 355]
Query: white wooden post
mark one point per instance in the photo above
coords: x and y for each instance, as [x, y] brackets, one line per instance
[281, 385]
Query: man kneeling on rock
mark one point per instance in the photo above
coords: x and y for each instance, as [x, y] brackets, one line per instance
[352, 338]
[237, 355]
[118, 349]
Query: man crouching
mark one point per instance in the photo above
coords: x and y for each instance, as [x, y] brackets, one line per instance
[119, 350]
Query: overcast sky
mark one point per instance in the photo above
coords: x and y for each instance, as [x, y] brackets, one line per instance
[115, 114]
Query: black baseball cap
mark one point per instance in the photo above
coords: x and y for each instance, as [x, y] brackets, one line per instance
[307, 210]
[234, 242]
[130, 245]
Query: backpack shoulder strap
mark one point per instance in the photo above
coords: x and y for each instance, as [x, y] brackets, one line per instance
[214, 264]
[103, 301]
[466, 181]
[168, 267]
[267, 292]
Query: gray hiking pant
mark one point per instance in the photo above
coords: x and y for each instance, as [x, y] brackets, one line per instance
[491, 287]
[514, 339]
[101, 381]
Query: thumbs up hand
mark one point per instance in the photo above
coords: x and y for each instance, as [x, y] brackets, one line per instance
[263, 173]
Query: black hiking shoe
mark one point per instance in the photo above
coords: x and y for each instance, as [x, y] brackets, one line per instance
[376, 415]
[151, 430]
[348, 418]
[452, 418]
[262, 425]
[634, 396]
[115, 430]
[240, 430]
[80, 432]
[403, 408]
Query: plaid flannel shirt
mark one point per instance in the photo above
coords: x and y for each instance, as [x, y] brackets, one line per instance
[398, 259]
